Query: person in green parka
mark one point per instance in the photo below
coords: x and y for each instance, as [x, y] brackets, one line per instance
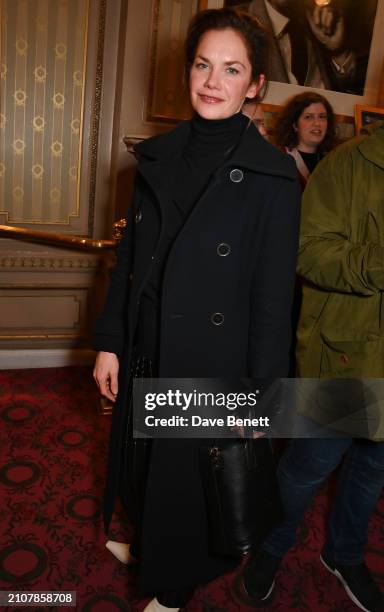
[340, 336]
[341, 328]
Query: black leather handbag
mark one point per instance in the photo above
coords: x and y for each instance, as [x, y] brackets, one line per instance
[241, 492]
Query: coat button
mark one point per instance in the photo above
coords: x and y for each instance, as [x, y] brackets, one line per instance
[223, 249]
[138, 216]
[236, 175]
[217, 318]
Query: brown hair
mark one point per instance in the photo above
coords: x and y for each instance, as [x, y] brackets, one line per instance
[254, 35]
[285, 133]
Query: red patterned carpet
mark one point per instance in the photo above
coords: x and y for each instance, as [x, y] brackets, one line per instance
[52, 457]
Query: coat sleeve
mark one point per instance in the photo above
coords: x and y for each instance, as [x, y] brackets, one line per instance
[328, 258]
[110, 326]
[273, 285]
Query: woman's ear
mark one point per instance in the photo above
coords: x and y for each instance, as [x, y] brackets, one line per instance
[255, 87]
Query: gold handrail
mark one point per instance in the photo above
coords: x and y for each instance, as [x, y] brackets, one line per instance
[64, 240]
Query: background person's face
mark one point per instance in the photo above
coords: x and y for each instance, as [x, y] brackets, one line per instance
[220, 77]
[311, 127]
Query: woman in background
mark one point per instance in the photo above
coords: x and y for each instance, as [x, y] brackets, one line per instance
[305, 129]
[199, 289]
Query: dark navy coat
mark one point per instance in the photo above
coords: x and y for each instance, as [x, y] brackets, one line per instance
[225, 304]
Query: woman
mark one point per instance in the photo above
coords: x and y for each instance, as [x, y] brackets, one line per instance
[305, 129]
[202, 286]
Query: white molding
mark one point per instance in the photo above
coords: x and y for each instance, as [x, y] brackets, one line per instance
[45, 358]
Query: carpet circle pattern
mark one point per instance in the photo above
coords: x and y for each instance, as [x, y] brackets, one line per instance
[19, 413]
[84, 507]
[71, 438]
[19, 473]
[104, 603]
[53, 454]
[20, 563]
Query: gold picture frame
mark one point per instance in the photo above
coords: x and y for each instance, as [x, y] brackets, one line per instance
[364, 115]
[167, 100]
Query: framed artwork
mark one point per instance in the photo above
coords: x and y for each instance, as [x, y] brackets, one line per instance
[365, 115]
[167, 94]
[168, 99]
[336, 49]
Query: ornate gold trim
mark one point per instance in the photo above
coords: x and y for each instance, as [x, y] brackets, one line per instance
[118, 229]
[81, 139]
[152, 64]
[96, 111]
[45, 263]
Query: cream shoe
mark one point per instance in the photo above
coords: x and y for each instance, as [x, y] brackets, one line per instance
[121, 551]
[155, 606]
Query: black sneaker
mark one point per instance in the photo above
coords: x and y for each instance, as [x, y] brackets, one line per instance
[358, 583]
[255, 584]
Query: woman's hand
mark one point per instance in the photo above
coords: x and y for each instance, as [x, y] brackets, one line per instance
[105, 374]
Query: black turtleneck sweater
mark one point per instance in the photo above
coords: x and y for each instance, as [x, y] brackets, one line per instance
[310, 159]
[210, 143]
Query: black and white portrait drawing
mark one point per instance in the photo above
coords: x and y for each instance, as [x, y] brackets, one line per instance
[317, 43]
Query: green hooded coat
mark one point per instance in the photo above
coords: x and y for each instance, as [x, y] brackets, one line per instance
[341, 258]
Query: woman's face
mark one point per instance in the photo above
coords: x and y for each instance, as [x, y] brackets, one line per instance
[220, 77]
[311, 127]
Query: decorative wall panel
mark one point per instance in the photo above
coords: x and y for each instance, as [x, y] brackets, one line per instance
[43, 66]
[55, 312]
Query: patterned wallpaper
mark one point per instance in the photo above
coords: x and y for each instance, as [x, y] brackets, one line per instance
[42, 68]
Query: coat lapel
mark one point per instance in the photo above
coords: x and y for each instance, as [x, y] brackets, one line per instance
[153, 173]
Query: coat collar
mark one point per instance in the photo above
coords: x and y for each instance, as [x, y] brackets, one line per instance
[253, 151]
